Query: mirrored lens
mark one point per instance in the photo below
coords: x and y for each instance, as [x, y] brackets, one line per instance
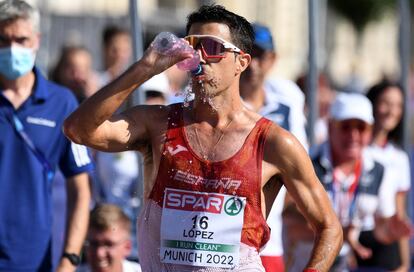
[212, 47]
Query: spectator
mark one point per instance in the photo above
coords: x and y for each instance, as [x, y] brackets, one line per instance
[156, 90]
[32, 147]
[74, 70]
[109, 241]
[282, 102]
[178, 81]
[325, 97]
[387, 100]
[359, 187]
[117, 52]
[205, 188]
[117, 174]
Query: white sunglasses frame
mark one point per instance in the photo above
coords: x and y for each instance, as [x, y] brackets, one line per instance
[226, 44]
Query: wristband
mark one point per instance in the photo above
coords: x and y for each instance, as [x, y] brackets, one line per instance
[310, 270]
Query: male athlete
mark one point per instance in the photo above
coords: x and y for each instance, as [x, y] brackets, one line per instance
[213, 168]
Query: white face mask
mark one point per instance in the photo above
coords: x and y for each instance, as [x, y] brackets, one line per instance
[16, 61]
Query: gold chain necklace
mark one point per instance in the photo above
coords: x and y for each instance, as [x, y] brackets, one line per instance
[203, 153]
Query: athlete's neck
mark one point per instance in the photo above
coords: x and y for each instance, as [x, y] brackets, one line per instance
[216, 109]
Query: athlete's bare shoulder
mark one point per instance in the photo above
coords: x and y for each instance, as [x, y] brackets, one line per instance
[282, 150]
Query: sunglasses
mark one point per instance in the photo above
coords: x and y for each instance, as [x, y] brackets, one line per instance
[212, 47]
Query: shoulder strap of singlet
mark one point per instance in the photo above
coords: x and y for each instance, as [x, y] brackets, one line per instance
[262, 128]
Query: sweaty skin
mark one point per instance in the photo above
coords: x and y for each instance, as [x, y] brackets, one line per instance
[143, 128]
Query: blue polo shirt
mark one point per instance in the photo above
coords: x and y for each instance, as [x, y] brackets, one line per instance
[25, 191]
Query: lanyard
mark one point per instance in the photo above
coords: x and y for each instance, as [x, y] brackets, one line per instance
[18, 125]
[345, 202]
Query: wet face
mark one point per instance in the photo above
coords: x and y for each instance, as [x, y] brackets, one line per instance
[19, 32]
[108, 249]
[388, 109]
[219, 74]
[348, 138]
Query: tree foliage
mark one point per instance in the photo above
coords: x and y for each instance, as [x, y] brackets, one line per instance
[361, 12]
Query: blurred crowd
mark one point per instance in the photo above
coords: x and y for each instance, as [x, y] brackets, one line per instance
[358, 157]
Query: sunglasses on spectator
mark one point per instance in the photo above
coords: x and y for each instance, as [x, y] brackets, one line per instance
[212, 47]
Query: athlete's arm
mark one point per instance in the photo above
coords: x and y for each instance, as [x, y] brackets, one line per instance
[94, 123]
[292, 163]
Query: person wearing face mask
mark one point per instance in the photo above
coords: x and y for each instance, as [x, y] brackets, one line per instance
[32, 146]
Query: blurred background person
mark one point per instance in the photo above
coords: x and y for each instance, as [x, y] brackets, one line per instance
[156, 90]
[359, 187]
[282, 102]
[117, 175]
[108, 241]
[387, 100]
[117, 53]
[178, 81]
[326, 95]
[74, 70]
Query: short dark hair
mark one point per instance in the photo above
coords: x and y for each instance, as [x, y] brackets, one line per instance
[111, 31]
[374, 93]
[241, 30]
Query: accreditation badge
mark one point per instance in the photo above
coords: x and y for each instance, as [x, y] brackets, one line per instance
[201, 229]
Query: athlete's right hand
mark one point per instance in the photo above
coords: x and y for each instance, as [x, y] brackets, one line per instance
[158, 63]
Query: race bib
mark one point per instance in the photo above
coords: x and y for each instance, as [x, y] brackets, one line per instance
[201, 229]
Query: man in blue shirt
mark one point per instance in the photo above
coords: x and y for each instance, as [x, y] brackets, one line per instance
[32, 145]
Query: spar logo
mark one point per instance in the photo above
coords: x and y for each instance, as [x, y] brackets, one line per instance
[233, 206]
[193, 201]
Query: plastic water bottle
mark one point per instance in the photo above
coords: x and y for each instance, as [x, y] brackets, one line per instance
[168, 44]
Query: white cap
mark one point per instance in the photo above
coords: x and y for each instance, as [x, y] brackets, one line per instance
[352, 106]
[158, 83]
